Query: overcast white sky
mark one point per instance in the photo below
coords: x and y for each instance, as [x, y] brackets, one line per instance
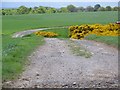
[56, 3]
[60, 0]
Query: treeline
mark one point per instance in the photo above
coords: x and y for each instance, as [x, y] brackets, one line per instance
[69, 8]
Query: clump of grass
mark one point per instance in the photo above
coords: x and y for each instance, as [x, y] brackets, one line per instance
[79, 50]
[15, 52]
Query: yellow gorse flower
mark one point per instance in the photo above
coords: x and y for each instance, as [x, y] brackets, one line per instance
[46, 34]
[79, 32]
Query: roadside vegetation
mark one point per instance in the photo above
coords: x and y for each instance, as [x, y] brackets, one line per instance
[103, 33]
[110, 40]
[15, 54]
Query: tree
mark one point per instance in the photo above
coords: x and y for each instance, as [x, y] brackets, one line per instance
[64, 9]
[115, 9]
[72, 8]
[101, 9]
[23, 10]
[51, 10]
[3, 12]
[80, 9]
[35, 8]
[29, 9]
[0, 11]
[41, 9]
[89, 8]
[54, 10]
[32, 11]
[108, 8]
[96, 7]
[14, 12]
[9, 11]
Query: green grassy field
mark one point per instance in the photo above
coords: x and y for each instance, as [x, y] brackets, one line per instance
[110, 40]
[15, 51]
[23, 22]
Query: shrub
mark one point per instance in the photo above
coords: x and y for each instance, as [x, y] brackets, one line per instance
[46, 34]
[79, 32]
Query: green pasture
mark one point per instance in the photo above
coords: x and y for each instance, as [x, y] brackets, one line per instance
[16, 23]
[110, 40]
[15, 50]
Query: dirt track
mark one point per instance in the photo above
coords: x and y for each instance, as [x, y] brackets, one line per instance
[53, 65]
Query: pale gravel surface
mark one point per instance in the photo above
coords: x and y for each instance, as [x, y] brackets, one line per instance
[54, 66]
[27, 32]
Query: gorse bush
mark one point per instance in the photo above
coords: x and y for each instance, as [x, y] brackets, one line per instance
[46, 34]
[79, 32]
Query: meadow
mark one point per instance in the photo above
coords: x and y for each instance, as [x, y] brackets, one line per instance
[16, 23]
[15, 51]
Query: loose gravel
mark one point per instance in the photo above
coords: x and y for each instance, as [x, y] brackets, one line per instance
[54, 66]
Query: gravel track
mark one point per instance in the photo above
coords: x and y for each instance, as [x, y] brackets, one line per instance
[54, 66]
[27, 32]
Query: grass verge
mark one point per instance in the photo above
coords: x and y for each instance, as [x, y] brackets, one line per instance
[15, 53]
[110, 40]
